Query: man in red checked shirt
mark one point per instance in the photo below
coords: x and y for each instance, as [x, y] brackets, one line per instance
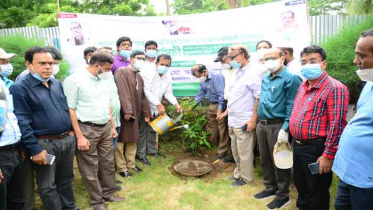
[316, 124]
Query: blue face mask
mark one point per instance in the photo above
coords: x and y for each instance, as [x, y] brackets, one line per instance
[125, 53]
[162, 70]
[151, 53]
[38, 77]
[235, 65]
[311, 71]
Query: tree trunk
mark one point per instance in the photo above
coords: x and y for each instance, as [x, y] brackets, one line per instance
[168, 8]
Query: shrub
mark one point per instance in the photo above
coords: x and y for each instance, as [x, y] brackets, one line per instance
[340, 51]
[195, 136]
[19, 45]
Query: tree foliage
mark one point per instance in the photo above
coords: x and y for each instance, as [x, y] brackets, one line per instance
[360, 7]
[43, 13]
[327, 7]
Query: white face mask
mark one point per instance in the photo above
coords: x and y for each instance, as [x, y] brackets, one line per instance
[202, 79]
[272, 65]
[226, 66]
[139, 64]
[261, 53]
[105, 75]
[365, 74]
[56, 69]
[6, 70]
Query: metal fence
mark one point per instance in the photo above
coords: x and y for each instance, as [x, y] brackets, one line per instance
[322, 27]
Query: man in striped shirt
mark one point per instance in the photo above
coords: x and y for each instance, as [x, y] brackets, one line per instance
[316, 124]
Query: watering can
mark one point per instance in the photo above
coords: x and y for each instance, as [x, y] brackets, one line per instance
[164, 123]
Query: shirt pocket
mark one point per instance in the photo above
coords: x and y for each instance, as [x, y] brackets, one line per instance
[276, 92]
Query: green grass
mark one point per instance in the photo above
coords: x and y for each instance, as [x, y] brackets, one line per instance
[157, 188]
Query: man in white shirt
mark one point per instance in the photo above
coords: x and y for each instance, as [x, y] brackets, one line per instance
[292, 64]
[157, 84]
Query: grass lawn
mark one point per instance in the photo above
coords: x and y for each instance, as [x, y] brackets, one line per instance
[157, 187]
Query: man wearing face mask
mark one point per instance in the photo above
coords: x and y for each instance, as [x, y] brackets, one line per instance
[91, 115]
[134, 104]
[275, 104]
[6, 68]
[57, 58]
[156, 87]
[212, 85]
[316, 124]
[353, 162]
[291, 63]
[242, 113]
[229, 73]
[44, 121]
[124, 51]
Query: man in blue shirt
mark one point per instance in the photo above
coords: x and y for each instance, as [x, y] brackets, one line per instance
[275, 104]
[11, 177]
[353, 162]
[43, 117]
[212, 86]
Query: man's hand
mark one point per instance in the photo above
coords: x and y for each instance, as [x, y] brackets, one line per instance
[127, 116]
[83, 143]
[251, 125]
[147, 119]
[222, 115]
[283, 137]
[161, 109]
[1, 177]
[178, 108]
[325, 165]
[219, 112]
[115, 133]
[40, 159]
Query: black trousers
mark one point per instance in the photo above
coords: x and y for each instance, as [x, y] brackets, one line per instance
[350, 197]
[11, 189]
[313, 190]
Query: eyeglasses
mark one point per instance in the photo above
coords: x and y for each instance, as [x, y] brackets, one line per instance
[312, 61]
[232, 57]
[270, 59]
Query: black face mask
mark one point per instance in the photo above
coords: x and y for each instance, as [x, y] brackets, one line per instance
[285, 62]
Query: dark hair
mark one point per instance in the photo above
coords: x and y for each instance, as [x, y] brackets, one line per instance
[367, 33]
[269, 43]
[106, 48]
[101, 58]
[55, 53]
[201, 68]
[314, 49]
[288, 49]
[151, 42]
[89, 50]
[29, 55]
[123, 39]
[137, 52]
[164, 56]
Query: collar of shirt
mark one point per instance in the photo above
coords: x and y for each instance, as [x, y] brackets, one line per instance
[320, 81]
[89, 75]
[119, 57]
[35, 82]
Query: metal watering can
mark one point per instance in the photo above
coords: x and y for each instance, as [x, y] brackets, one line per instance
[164, 123]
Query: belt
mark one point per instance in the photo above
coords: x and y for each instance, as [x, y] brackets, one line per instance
[60, 136]
[9, 147]
[93, 124]
[309, 141]
[272, 121]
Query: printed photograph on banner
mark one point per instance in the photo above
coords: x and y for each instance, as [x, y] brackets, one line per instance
[79, 35]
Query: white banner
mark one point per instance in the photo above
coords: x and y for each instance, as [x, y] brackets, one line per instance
[189, 39]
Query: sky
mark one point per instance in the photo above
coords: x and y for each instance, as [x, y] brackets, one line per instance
[160, 5]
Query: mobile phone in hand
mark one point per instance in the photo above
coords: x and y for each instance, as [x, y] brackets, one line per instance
[50, 159]
[132, 119]
[244, 128]
[314, 168]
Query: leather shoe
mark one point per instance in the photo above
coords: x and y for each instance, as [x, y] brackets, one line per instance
[99, 207]
[125, 174]
[228, 160]
[137, 169]
[118, 188]
[114, 199]
[145, 161]
[158, 155]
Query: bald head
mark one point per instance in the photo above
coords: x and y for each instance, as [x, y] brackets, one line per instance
[273, 53]
[240, 48]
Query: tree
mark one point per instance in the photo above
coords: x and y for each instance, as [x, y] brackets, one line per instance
[197, 6]
[360, 7]
[327, 7]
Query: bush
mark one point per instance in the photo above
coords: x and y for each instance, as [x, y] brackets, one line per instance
[19, 45]
[195, 136]
[340, 51]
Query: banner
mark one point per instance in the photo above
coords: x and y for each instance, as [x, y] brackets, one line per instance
[189, 39]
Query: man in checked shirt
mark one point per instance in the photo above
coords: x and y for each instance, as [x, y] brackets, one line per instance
[316, 124]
